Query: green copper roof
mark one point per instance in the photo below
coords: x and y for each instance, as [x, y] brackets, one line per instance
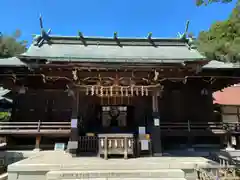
[99, 49]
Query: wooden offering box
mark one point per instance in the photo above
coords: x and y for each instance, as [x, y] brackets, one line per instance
[116, 144]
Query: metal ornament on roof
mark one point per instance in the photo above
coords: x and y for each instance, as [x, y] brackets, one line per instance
[184, 35]
[149, 37]
[115, 37]
[82, 38]
[39, 40]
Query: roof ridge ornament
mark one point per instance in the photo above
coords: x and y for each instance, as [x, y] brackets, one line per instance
[39, 39]
[82, 38]
[149, 37]
[115, 37]
[184, 35]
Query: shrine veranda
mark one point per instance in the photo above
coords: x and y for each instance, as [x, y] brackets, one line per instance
[146, 94]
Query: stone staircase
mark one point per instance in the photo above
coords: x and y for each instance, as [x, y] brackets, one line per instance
[162, 174]
[54, 165]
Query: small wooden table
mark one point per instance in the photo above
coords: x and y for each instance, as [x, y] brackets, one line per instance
[116, 144]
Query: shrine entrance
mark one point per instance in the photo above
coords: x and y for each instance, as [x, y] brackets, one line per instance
[120, 113]
[117, 119]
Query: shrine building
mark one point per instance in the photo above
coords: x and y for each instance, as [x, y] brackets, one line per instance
[126, 95]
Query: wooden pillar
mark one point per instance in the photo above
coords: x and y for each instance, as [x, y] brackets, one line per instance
[190, 142]
[237, 142]
[229, 141]
[74, 135]
[125, 148]
[156, 130]
[222, 141]
[190, 138]
[106, 148]
[37, 143]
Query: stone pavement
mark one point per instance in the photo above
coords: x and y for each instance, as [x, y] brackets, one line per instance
[60, 165]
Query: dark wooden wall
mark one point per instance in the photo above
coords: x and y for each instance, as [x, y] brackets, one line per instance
[182, 102]
[42, 105]
[178, 103]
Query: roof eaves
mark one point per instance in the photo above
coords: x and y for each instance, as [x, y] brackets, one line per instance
[3, 92]
[11, 62]
[214, 64]
[6, 99]
[93, 59]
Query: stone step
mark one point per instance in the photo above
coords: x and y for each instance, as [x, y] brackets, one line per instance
[166, 174]
[133, 179]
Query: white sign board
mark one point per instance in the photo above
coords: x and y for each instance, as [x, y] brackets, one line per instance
[59, 146]
[156, 122]
[234, 142]
[74, 123]
[144, 145]
[72, 144]
[142, 130]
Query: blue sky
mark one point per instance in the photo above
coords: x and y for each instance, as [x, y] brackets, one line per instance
[130, 18]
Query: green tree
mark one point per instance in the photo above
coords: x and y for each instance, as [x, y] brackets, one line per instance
[10, 46]
[206, 2]
[222, 40]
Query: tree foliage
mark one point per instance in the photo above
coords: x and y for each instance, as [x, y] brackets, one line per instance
[5, 116]
[10, 46]
[206, 2]
[222, 40]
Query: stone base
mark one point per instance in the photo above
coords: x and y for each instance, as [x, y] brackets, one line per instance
[54, 164]
[157, 154]
[36, 150]
[230, 149]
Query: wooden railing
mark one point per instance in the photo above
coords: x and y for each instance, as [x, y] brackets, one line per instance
[230, 127]
[64, 127]
[35, 127]
[191, 126]
[88, 144]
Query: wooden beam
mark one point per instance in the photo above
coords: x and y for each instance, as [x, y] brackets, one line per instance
[112, 66]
